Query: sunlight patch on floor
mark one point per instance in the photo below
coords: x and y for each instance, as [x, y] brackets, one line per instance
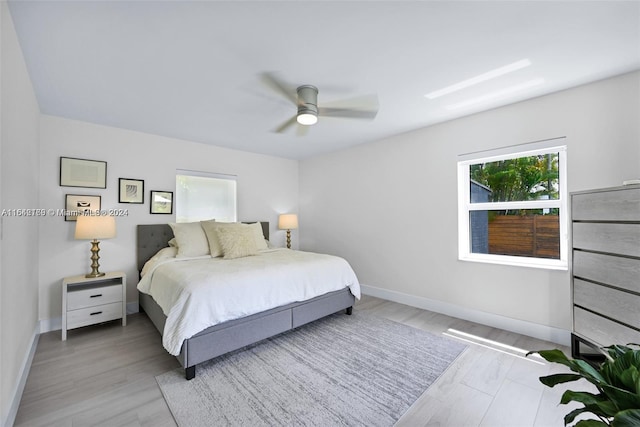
[493, 345]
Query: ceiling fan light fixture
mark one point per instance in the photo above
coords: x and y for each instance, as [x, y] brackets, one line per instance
[307, 119]
[307, 105]
[306, 100]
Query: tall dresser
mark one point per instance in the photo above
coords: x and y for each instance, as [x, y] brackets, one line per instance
[606, 267]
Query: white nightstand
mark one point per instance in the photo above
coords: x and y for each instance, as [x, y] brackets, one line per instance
[87, 301]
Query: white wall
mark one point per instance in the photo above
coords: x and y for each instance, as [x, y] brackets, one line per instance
[19, 189]
[266, 186]
[391, 207]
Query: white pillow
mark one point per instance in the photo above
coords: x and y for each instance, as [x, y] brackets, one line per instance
[211, 232]
[261, 243]
[211, 229]
[161, 255]
[237, 242]
[190, 238]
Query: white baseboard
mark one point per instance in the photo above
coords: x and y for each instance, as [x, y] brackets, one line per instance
[48, 325]
[546, 333]
[132, 307]
[16, 396]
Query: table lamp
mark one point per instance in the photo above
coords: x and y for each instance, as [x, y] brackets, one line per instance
[89, 227]
[288, 222]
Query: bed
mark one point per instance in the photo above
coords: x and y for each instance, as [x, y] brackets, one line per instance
[236, 333]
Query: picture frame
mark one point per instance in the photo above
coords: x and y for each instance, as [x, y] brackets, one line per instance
[161, 202]
[131, 190]
[78, 204]
[83, 173]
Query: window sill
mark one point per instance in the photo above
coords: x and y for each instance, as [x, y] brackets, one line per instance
[513, 261]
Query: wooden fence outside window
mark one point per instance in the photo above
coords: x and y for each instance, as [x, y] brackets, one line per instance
[531, 236]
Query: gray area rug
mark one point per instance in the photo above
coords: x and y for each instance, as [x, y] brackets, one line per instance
[357, 370]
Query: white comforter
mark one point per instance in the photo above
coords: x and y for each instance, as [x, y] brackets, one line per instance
[198, 293]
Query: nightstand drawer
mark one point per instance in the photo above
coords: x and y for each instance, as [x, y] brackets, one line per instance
[94, 296]
[91, 315]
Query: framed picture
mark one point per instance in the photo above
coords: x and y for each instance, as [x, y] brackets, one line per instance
[79, 204]
[161, 202]
[82, 173]
[131, 191]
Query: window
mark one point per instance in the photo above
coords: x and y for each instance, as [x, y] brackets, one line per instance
[202, 196]
[512, 205]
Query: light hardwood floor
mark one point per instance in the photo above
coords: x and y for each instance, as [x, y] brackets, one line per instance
[105, 376]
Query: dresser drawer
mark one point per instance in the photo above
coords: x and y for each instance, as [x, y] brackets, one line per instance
[618, 305]
[617, 205]
[91, 315]
[601, 331]
[622, 239]
[94, 296]
[611, 270]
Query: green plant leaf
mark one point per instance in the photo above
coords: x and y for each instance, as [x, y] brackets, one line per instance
[623, 362]
[590, 373]
[597, 404]
[616, 350]
[554, 356]
[552, 380]
[583, 397]
[628, 379]
[606, 408]
[627, 418]
[623, 398]
[579, 366]
[588, 409]
[573, 414]
[617, 380]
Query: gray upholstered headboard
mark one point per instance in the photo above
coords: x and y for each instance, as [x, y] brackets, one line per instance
[153, 237]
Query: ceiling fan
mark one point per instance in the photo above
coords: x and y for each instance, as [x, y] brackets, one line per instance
[305, 97]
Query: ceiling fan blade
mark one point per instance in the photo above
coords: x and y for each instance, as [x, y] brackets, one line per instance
[286, 125]
[347, 113]
[363, 102]
[361, 107]
[280, 87]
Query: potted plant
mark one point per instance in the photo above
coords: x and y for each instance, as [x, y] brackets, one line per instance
[617, 380]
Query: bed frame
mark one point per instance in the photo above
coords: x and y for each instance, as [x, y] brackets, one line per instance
[235, 334]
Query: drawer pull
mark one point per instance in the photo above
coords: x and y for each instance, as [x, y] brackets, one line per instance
[95, 296]
[97, 312]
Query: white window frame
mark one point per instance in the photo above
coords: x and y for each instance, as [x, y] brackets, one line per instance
[465, 206]
[211, 175]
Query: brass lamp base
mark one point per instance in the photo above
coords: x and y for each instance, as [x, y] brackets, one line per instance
[92, 275]
[95, 249]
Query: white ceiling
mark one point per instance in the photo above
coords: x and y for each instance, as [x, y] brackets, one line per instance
[191, 70]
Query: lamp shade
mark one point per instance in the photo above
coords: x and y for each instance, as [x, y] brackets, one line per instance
[288, 222]
[90, 227]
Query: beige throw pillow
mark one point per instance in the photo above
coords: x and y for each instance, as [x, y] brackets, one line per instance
[190, 239]
[211, 229]
[261, 243]
[211, 232]
[237, 242]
